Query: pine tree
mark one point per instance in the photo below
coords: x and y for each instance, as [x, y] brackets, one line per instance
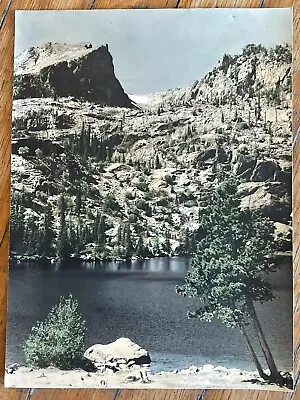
[63, 245]
[157, 163]
[31, 236]
[258, 106]
[235, 115]
[186, 244]
[99, 230]
[270, 134]
[47, 234]
[167, 244]
[228, 267]
[156, 247]
[222, 117]
[17, 224]
[74, 237]
[140, 250]
[78, 200]
[127, 242]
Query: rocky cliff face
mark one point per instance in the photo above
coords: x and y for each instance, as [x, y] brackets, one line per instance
[137, 179]
[57, 70]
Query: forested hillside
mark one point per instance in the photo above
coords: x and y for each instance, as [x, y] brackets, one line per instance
[96, 176]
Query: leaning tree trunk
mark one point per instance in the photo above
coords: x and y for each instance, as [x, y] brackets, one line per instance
[275, 375]
[252, 352]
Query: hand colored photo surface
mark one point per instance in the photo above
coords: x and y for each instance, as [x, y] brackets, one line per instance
[151, 216]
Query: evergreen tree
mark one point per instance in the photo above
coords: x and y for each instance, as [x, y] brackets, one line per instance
[17, 224]
[78, 200]
[74, 237]
[167, 244]
[156, 247]
[157, 163]
[228, 268]
[63, 245]
[186, 244]
[140, 247]
[235, 115]
[119, 240]
[99, 230]
[127, 242]
[31, 236]
[47, 234]
[258, 106]
[270, 134]
[59, 339]
[222, 117]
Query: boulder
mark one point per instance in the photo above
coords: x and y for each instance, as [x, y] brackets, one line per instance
[266, 198]
[283, 236]
[193, 369]
[123, 350]
[10, 369]
[265, 171]
[207, 368]
[244, 166]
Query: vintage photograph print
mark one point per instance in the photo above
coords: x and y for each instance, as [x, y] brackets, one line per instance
[151, 217]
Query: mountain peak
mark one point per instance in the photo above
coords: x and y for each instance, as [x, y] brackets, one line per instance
[32, 60]
[62, 70]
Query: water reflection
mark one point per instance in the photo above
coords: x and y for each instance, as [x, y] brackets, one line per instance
[176, 265]
[154, 265]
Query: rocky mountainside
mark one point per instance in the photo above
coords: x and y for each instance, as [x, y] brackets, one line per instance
[115, 182]
[59, 70]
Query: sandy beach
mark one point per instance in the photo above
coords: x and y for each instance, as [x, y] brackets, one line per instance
[206, 376]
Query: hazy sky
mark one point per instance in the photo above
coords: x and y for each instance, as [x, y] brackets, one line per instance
[155, 50]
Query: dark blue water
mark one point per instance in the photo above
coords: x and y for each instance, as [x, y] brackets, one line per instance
[138, 300]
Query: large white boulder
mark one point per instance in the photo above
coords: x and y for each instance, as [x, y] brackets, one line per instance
[123, 350]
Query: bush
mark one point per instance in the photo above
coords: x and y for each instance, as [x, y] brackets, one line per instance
[129, 195]
[143, 205]
[142, 185]
[58, 341]
[23, 151]
[242, 125]
[111, 203]
[39, 153]
[191, 203]
[169, 179]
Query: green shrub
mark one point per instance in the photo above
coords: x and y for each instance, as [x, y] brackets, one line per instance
[169, 179]
[144, 205]
[129, 195]
[142, 185]
[242, 125]
[190, 203]
[58, 340]
[39, 153]
[111, 203]
[23, 151]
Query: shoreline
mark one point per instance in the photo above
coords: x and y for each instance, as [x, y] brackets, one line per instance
[203, 377]
[19, 259]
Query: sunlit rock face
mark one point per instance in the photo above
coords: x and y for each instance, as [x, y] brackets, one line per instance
[62, 70]
[147, 170]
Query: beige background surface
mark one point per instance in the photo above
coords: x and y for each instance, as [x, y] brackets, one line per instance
[7, 8]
